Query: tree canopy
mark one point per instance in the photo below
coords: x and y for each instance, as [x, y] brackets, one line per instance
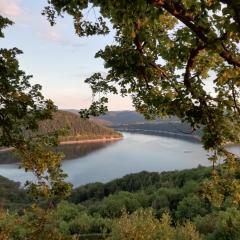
[163, 54]
[22, 107]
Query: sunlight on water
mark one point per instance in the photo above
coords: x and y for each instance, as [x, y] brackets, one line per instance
[136, 152]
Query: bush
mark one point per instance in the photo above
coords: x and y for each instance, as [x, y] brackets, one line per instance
[142, 225]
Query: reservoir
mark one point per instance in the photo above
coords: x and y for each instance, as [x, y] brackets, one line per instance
[102, 162]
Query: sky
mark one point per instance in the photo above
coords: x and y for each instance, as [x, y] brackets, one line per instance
[55, 56]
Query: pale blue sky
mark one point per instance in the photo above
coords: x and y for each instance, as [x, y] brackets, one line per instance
[55, 56]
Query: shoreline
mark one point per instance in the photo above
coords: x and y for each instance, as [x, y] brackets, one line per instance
[191, 138]
[112, 139]
[6, 149]
[91, 140]
[181, 136]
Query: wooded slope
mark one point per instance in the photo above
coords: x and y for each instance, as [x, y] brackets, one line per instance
[77, 128]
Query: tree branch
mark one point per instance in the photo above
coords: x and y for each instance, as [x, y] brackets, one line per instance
[235, 6]
[236, 105]
[186, 17]
[190, 62]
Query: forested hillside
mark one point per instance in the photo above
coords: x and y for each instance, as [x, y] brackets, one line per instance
[12, 196]
[77, 128]
[142, 206]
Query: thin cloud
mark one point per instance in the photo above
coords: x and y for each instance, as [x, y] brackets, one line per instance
[11, 9]
[53, 35]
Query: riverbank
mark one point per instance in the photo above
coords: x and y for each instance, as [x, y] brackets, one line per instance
[92, 140]
[97, 140]
[6, 149]
[182, 136]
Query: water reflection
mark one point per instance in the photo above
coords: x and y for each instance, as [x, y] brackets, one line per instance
[73, 151]
[8, 157]
[70, 151]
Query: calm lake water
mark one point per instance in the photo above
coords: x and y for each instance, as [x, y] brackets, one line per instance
[102, 162]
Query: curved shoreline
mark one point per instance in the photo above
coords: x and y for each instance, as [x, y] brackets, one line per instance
[91, 140]
[186, 137]
[112, 139]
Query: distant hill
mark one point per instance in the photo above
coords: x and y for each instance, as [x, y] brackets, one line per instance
[169, 129]
[97, 120]
[131, 121]
[78, 129]
[124, 117]
[121, 117]
[130, 117]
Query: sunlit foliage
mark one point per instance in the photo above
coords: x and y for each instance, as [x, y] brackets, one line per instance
[163, 54]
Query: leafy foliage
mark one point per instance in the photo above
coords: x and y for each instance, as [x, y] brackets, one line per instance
[12, 196]
[163, 54]
[141, 206]
[22, 107]
[143, 225]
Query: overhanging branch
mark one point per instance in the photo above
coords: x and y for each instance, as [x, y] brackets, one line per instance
[187, 18]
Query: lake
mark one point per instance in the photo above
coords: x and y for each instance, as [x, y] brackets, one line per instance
[102, 162]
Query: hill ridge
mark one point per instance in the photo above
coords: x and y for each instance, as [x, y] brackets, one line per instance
[78, 129]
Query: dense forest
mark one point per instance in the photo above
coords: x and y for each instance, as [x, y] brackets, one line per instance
[76, 128]
[167, 205]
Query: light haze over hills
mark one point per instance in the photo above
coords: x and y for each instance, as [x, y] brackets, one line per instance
[125, 117]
